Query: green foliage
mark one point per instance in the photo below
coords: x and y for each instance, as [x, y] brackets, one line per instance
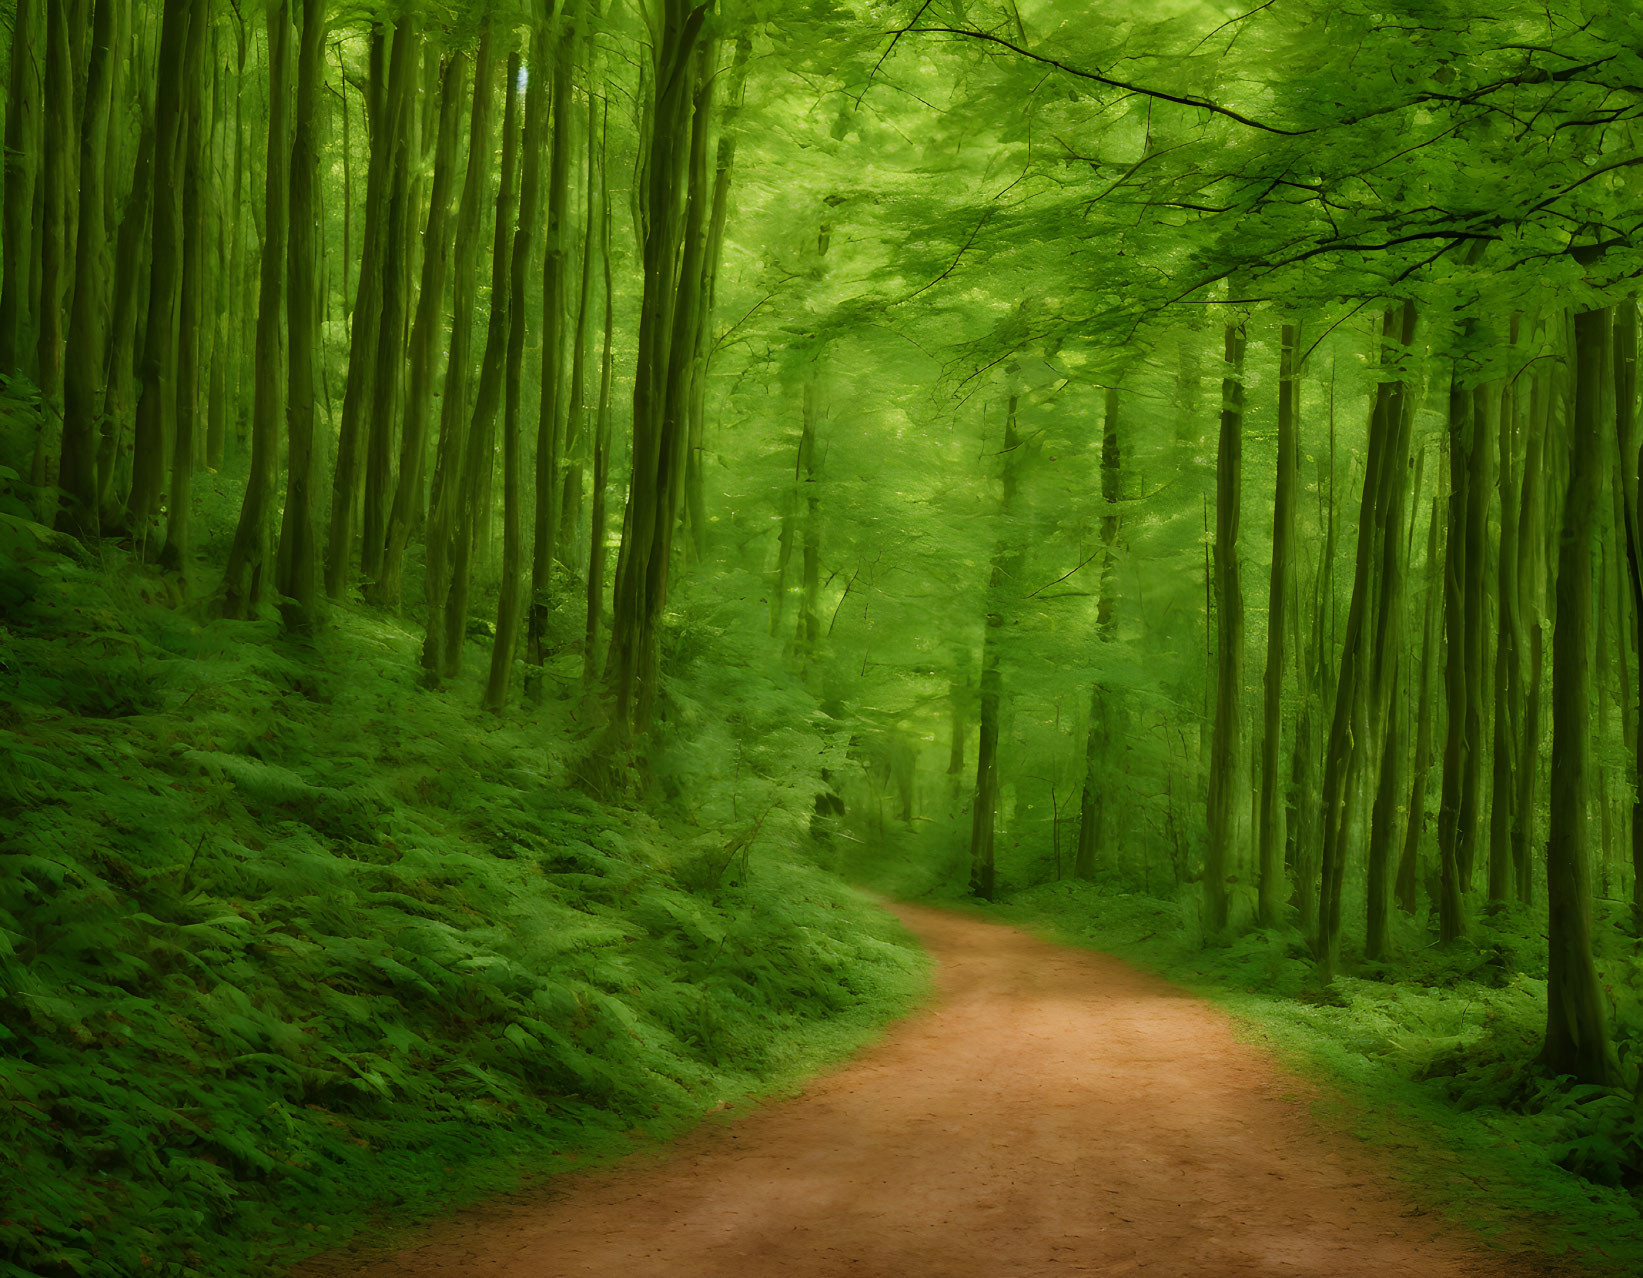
[284, 937]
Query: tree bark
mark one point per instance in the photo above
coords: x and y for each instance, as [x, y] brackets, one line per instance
[24, 90]
[150, 451]
[297, 567]
[479, 446]
[1226, 789]
[86, 355]
[446, 491]
[248, 557]
[1098, 729]
[425, 334]
[1577, 1035]
[1270, 857]
[984, 808]
[530, 198]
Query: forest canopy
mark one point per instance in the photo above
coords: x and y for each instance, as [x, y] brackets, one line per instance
[967, 445]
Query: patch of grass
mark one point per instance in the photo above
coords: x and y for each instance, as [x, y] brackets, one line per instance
[289, 942]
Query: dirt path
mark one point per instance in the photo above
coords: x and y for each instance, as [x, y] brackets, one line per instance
[1053, 1112]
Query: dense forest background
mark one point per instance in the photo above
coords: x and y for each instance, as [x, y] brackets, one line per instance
[502, 503]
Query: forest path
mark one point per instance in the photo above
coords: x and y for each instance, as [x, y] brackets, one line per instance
[1051, 1111]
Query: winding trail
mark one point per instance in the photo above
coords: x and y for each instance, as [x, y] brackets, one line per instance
[1053, 1111]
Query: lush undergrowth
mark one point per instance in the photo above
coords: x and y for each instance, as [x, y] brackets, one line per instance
[287, 939]
[1430, 1059]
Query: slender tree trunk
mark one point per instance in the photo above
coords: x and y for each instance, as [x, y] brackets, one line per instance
[602, 430]
[248, 557]
[553, 406]
[1577, 1035]
[1531, 558]
[984, 808]
[723, 171]
[363, 339]
[430, 316]
[395, 248]
[55, 237]
[477, 459]
[159, 349]
[1100, 721]
[298, 583]
[86, 355]
[114, 453]
[1508, 661]
[1270, 861]
[576, 417]
[1408, 862]
[530, 199]
[1367, 670]
[23, 153]
[674, 150]
[192, 137]
[448, 487]
[1386, 818]
[1227, 746]
[1458, 678]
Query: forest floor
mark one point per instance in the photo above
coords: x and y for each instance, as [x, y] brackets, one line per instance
[1051, 1110]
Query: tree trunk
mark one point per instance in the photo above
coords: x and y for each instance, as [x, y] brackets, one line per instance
[297, 568]
[1408, 862]
[477, 454]
[1503, 816]
[395, 248]
[86, 356]
[674, 149]
[554, 401]
[248, 557]
[1226, 745]
[530, 198]
[363, 338]
[602, 430]
[56, 245]
[150, 450]
[1099, 727]
[1388, 742]
[984, 808]
[446, 491]
[425, 335]
[1270, 859]
[23, 151]
[1577, 1035]
[186, 393]
[1454, 811]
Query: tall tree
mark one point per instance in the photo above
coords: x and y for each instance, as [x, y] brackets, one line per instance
[248, 557]
[448, 485]
[530, 196]
[1000, 581]
[1270, 854]
[1226, 759]
[297, 567]
[1577, 1033]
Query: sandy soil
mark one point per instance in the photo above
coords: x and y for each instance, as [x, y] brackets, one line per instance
[1053, 1111]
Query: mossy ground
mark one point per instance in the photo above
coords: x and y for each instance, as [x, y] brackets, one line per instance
[289, 941]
